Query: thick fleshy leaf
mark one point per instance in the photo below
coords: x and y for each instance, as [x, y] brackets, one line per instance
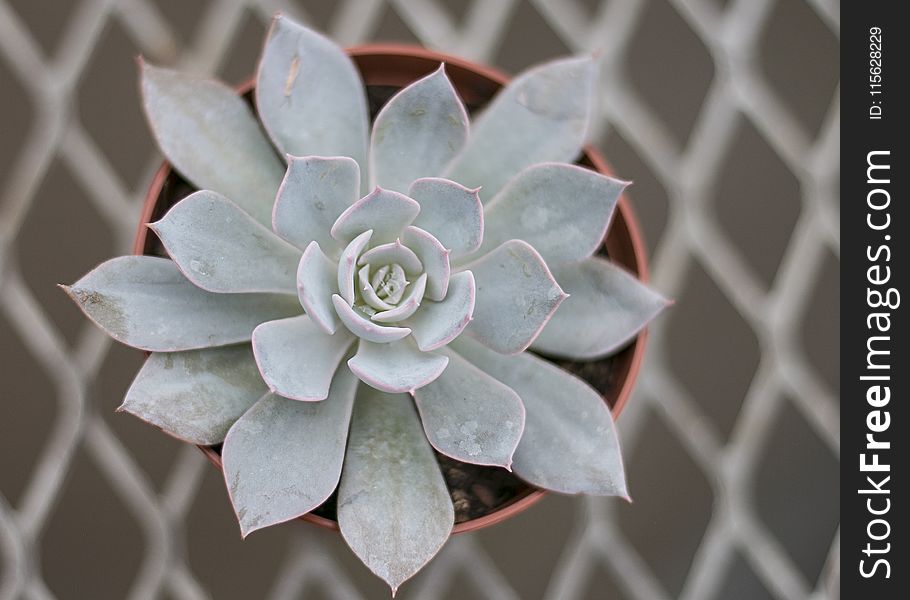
[408, 305]
[394, 517]
[309, 94]
[197, 395]
[471, 416]
[451, 212]
[210, 135]
[384, 211]
[393, 252]
[606, 308]
[516, 296]
[297, 358]
[397, 366]
[360, 325]
[347, 265]
[314, 193]
[438, 323]
[145, 302]
[541, 116]
[433, 256]
[317, 281]
[222, 249]
[417, 132]
[562, 210]
[283, 458]
[569, 444]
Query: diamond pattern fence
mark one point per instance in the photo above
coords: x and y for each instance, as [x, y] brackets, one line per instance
[724, 112]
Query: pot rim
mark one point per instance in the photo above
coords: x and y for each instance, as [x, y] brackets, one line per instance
[624, 224]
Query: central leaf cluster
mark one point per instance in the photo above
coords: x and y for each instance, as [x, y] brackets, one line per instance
[390, 282]
[382, 289]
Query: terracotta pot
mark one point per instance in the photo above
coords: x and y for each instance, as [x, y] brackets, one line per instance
[387, 67]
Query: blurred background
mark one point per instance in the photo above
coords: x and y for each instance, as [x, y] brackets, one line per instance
[723, 112]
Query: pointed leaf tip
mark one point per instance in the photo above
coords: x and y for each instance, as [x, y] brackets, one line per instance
[145, 302]
[569, 446]
[607, 308]
[561, 210]
[418, 132]
[542, 115]
[394, 534]
[278, 347]
[222, 249]
[397, 366]
[309, 94]
[283, 458]
[197, 395]
[314, 192]
[210, 135]
[516, 296]
[385, 212]
[470, 416]
[451, 212]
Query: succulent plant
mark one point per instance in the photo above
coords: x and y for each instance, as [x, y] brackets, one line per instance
[334, 316]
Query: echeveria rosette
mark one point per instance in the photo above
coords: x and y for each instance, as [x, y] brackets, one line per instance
[332, 326]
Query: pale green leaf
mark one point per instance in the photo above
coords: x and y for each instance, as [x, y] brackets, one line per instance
[210, 135]
[309, 94]
[145, 302]
[222, 249]
[394, 510]
[196, 395]
[541, 116]
[283, 458]
[516, 296]
[471, 416]
[607, 307]
[417, 132]
[569, 444]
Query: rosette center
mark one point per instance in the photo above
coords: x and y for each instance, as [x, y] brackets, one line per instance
[390, 282]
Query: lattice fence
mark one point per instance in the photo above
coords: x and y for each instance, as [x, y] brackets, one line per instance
[737, 551]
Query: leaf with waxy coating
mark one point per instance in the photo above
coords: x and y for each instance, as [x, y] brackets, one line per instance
[394, 510]
[433, 257]
[561, 210]
[408, 305]
[222, 249]
[314, 193]
[471, 416]
[516, 295]
[438, 323]
[283, 458]
[196, 395]
[418, 131]
[606, 308]
[364, 328]
[393, 252]
[383, 211]
[309, 94]
[209, 134]
[569, 444]
[316, 283]
[397, 366]
[145, 302]
[541, 116]
[297, 358]
[451, 212]
[347, 265]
